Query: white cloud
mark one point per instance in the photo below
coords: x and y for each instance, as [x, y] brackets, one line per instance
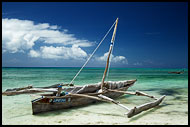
[21, 35]
[114, 59]
[34, 53]
[137, 64]
[62, 52]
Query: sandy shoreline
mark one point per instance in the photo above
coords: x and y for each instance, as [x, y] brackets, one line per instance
[168, 113]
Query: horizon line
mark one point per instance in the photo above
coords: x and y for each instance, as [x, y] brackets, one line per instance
[104, 67]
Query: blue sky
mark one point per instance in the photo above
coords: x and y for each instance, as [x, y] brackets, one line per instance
[64, 34]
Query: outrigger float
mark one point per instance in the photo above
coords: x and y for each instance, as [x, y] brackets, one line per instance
[73, 96]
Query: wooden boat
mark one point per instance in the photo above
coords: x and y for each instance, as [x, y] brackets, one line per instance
[176, 72]
[63, 98]
[76, 97]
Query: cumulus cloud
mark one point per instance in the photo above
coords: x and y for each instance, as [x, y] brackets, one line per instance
[114, 59]
[34, 53]
[22, 35]
[75, 52]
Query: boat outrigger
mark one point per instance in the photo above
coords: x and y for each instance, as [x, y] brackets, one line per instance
[62, 98]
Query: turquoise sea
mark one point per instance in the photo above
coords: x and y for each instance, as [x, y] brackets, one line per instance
[174, 110]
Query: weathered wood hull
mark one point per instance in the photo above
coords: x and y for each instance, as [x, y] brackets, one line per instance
[51, 103]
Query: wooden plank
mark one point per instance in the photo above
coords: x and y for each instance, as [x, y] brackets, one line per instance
[113, 101]
[56, 85]
[24, 91]
[17, 89]
[138, 93]
[83, 95]
[125, 92]
[139, 109]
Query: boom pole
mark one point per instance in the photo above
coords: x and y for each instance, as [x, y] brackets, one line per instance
[110, 49]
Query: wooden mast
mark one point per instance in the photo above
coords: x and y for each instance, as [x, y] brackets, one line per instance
[111, 46]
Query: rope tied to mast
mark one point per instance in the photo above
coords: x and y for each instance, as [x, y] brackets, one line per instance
[92, 53]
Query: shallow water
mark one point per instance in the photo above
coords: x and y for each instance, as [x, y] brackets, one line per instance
[174, 110]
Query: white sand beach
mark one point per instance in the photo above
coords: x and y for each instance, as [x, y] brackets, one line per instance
[168, 113]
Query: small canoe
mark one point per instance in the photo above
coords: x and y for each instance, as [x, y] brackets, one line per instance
[50, 102]
[176, 72]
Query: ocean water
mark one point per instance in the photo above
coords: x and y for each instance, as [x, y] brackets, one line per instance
[174, 109]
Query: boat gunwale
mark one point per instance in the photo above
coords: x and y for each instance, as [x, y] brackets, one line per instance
[91, 94]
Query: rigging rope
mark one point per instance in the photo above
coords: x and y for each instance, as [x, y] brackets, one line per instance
[92, 53]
